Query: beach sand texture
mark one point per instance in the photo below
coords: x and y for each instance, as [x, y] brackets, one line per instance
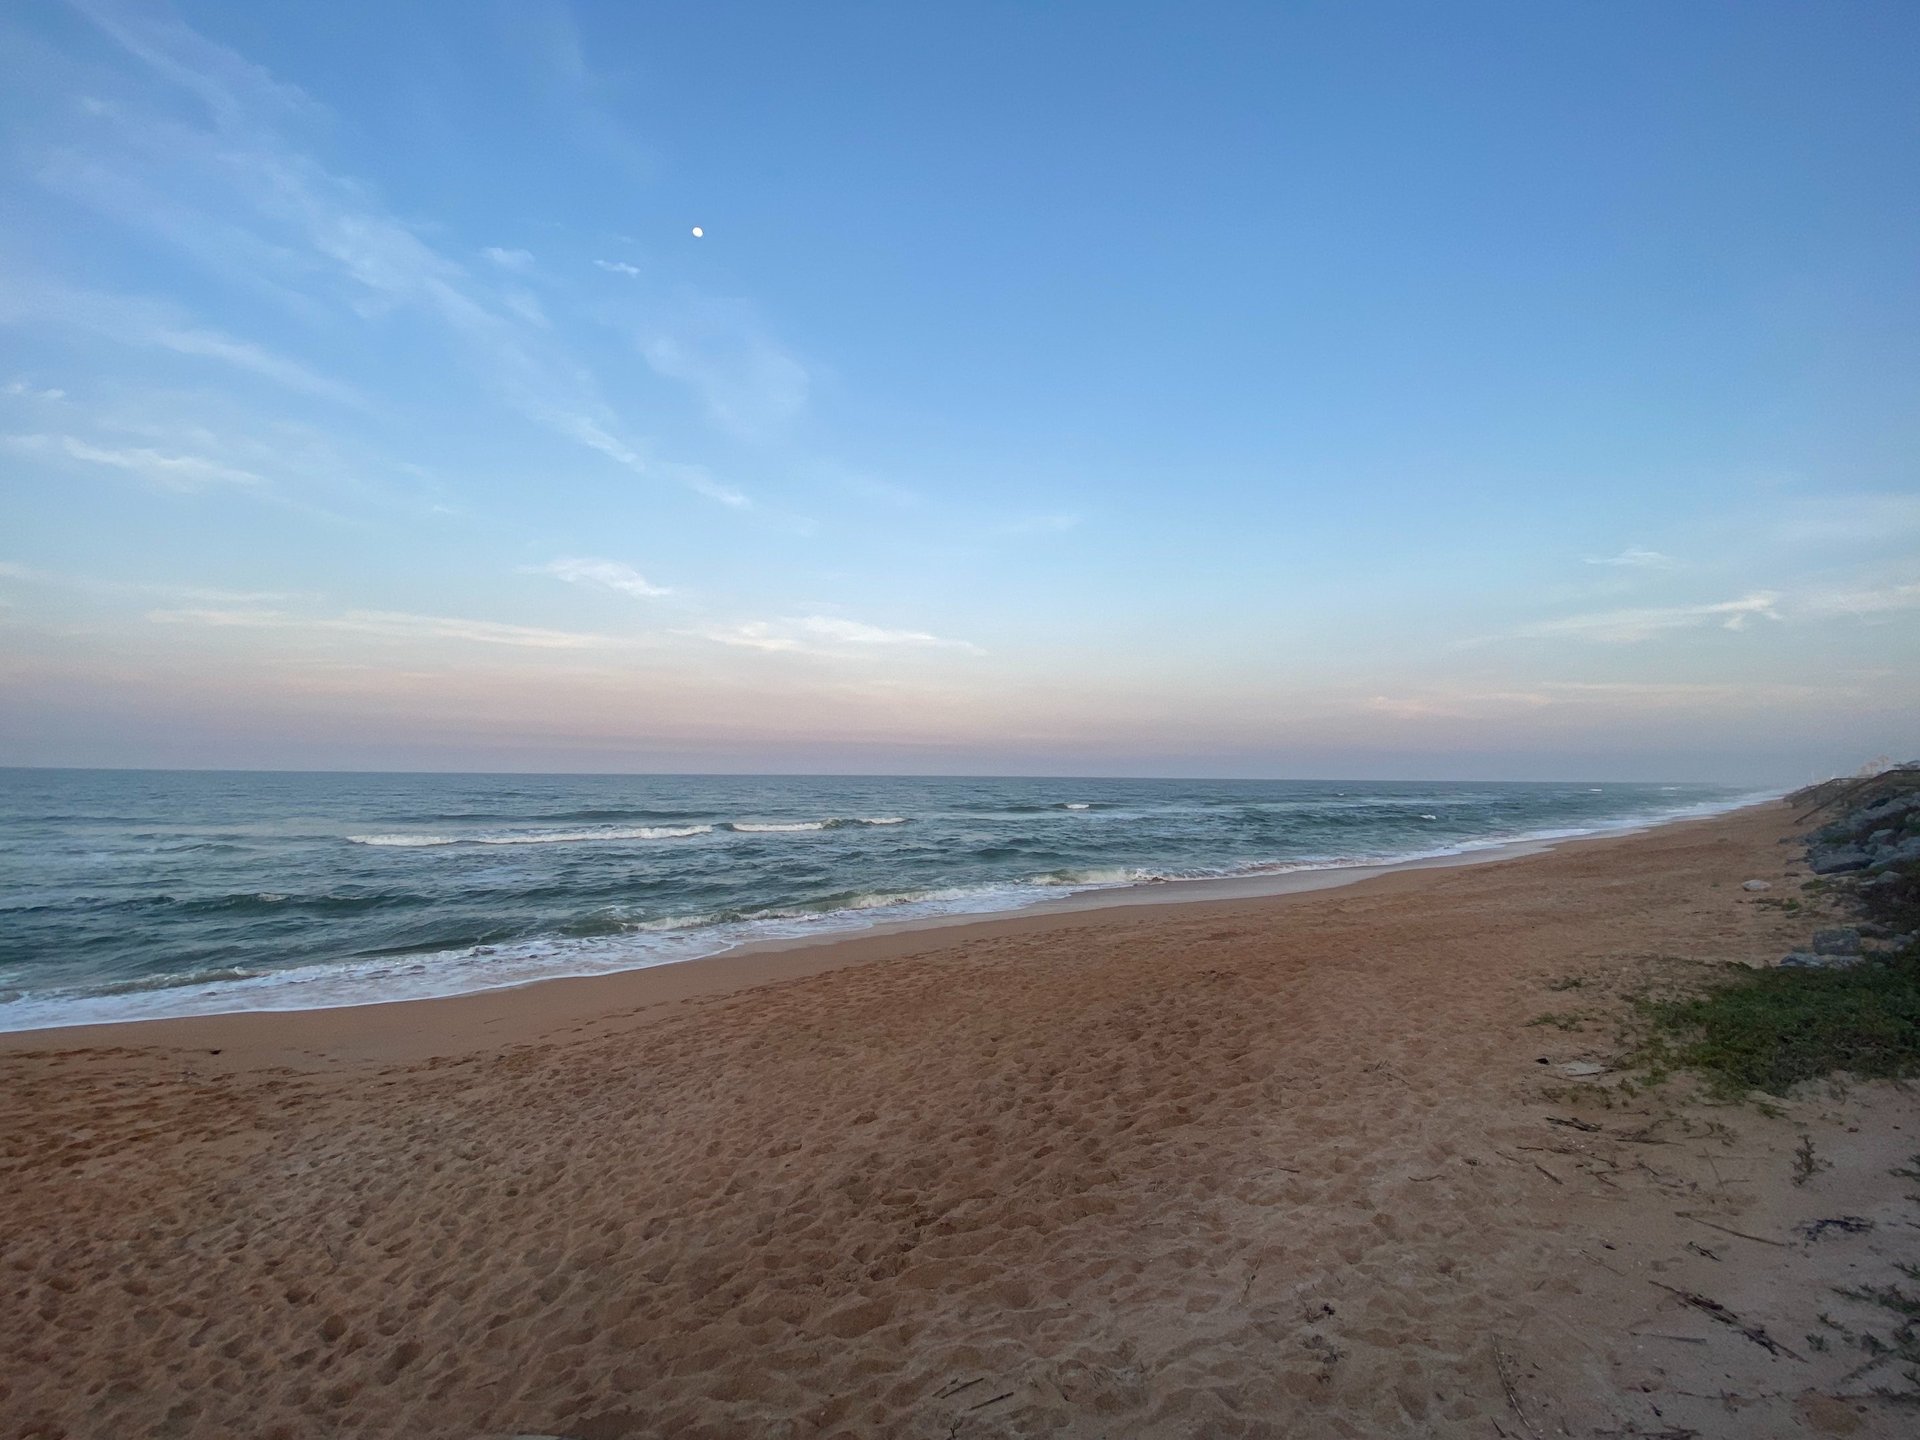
[1270, 1167]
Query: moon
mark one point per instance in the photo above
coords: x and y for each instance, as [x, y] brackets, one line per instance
[698, 232]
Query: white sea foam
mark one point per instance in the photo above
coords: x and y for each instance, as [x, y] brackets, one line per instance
[777, 827]
[538, 837]
[604, 833]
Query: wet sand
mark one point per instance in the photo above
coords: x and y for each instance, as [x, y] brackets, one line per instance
[1269, 1166]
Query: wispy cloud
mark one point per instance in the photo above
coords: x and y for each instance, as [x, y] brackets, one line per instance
[206, 594]
[1626, 627]
[1453, 705]
[1844, 520]
[155, 325]
[187, 473]
[694, 477]
[1634, 558]
[605, 574]
[1467, 703]
[620, 267]
[263, 207]
[1804, 604]
[749, 384]
[517, 260]
[383, 624]
[21, 390]
[828, 635]
[1872, 600]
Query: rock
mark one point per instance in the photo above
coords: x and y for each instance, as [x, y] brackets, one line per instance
[1756, 885]
[1888, 856]
[1893, 808]
[1801, 960]
[1838, 859]
[1583, 1069]
[1842, 940]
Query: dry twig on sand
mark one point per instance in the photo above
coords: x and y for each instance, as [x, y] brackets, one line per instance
[1719, 1312]
[1513, 1395]
[1729, 1230]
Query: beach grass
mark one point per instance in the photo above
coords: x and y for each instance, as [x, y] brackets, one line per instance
[1769, 1030]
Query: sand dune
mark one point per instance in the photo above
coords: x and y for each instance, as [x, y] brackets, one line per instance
[1277, 1167]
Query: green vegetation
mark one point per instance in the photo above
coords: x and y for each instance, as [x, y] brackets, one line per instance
[1559, 1019]
[1899, 1347]
[1769, 1030]
[1806, 1164]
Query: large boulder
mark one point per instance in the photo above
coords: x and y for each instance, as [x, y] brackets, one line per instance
[1841, 940]
[1837, 859]
[1890, 855]
[1894, 808]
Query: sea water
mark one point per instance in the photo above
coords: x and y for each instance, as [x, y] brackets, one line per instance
[134, 894]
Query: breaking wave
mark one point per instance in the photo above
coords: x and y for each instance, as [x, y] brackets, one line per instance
[534, 837]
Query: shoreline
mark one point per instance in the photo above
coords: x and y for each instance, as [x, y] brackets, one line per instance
[1347, 1161]
[411, 1027]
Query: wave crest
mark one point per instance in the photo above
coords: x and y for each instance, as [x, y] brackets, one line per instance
[535, 837]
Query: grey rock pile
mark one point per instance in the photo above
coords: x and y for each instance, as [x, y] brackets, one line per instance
[1873, 839]
[1872, 848]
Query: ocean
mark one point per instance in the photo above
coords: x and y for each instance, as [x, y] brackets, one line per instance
[137, 894]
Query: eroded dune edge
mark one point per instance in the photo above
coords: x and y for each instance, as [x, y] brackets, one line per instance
[1257, 1167]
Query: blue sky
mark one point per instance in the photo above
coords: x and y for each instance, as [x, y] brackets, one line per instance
[1348, 389]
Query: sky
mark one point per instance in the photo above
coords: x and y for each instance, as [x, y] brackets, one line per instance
[1321, 390]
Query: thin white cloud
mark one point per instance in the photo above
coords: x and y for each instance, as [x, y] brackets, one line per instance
[1631, 626]
[207, 594]
[1627, 627]
[506, 259]
[829, 635]
[1844, 520]
[1875, 600]
[155, 325]
[21, 390]
[589, 433]
[1464, 703]
[606, 574]
[529, 309]
[186, 473]
[1676, 693]
[213, 595]
[749, 384]
[1634, 558]
[1452, 705]
[620, 267]
[382, 624]
[242, 198]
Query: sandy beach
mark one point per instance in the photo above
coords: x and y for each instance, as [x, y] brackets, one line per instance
[1306, 1164]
